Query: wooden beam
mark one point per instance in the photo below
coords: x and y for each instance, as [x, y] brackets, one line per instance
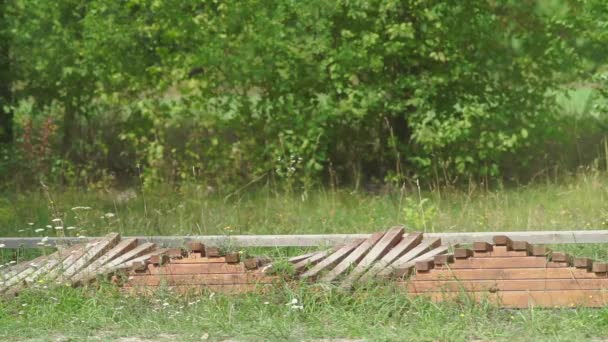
[315, 240]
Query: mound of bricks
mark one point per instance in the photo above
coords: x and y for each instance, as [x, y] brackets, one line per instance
[196, 270]
[511, 274]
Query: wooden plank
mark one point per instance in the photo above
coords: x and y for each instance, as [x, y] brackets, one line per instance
[424, 265]
[352, 258]
[443, 259]
[541, 251]
[295, 259]
[482, 246]
[561, 257]
[599, 267]
[21, 267]
[199, 260]
[525, 299]
[134, 253]
[129, 263]
[31, 267]
[522, 246]
[52, 262]
[316, 240]
[200, 279]
[502, 240]
[506, 285]
[390, 239]
[332, 260]
[509, 273]
[195, 268]
[121, 248]
[423, 247]
[585, 263]
[498, 262]
[406, 268]
[91, 254]
[500, 251]
[462, 253]
[407, 243]
[313, 260]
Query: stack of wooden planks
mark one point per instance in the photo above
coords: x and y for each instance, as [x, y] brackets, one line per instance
[512, 274]
[392, 253]
[77, 264]
[196, 270]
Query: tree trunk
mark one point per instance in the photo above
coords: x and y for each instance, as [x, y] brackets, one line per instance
[6, 115]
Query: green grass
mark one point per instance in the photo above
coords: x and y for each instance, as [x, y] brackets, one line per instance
[379, 314]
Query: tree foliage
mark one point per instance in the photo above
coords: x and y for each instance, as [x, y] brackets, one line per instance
[226, 91]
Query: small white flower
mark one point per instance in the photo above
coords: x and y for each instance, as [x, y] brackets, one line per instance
[31, 223]
[266, 303]
[71, 228]
[12, 262]
[109, 215]
[297, 307]
[293, 302]
[56, 220]
[59, 228]
[40, 243]
[49, 226]
[81, 208]
[39, 230]
[2, 245]
[24, 304]
[165, 304]
[21, 230]
[82, 237]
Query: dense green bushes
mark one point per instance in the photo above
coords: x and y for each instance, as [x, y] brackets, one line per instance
[299, 91]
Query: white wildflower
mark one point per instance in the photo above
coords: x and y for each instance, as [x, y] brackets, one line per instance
[49, 226]
[2, 245]
[109, 215]
[81, 208]
[71, 228]
[59, 228]
[39, 230]
[266, 303]
[12, 262]
[45, 239]
[56, 220]
[21, 230]
[297, 307]
[31, 223]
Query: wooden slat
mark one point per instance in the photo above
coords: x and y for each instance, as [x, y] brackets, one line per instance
[56, 259]
[406, 268]
[599, 267]
[352, 258]
[301, 257]
[34, 265]
[20, 268]
[509, 273]
[331, 260]
[407, 243]
[507, 285]
[443, 259]
[500, 251]
[498, 262]
[585, 263]
[462, 253]
[525, 299]
[423, 247]
[92, 270]
[134, 253]
[201, 279]
[196, 268]
[199, 260]
[482, 246]
[522, 246]
[424, 265]
[91, 254]
[313, 260]
[541, 250]
[503, 240]
[129, 263]
[561, 257]
[390, 239]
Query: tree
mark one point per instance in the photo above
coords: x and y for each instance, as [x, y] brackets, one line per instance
[6, 115]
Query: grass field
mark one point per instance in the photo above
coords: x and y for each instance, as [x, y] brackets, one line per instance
[379, 314]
